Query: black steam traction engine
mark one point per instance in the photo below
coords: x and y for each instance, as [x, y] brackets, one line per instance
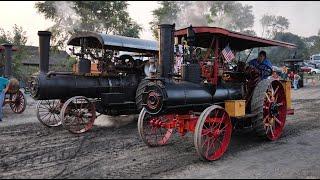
[208, 98]
[14, 97]
[73, 98]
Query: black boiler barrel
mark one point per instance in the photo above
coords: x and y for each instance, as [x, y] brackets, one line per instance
[186, 95]
[67, 86]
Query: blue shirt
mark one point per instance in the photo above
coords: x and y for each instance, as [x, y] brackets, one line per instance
[3, 83]
[255, 63]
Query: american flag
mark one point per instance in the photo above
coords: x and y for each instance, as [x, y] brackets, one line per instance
[227, 53]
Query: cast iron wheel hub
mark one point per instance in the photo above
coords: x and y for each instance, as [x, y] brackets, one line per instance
[274, 109]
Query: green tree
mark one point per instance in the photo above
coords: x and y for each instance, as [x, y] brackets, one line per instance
[278, 54]
[231, 15]
[315, 48]
[271, 25]
[110, 17]
[167, 10]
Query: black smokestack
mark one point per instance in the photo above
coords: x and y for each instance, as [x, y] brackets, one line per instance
[8, 55]
[166, 44]
[44, 48]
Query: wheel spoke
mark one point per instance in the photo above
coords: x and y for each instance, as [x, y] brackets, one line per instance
[275, 92]
[268, 98]
[272, 134]
[217, 141]
[46, 112]
[278, 121]
[81, 113]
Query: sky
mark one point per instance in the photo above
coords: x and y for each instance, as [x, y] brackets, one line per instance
[302, 15]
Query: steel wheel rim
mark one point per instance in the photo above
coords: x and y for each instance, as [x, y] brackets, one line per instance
[78, 115]
[19, 103]
[213, 133]
[151, 131]
[48, 112]
[274, 111]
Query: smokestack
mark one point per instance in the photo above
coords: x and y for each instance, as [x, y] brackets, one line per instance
[84, 65]
[44, 48]
[8, 64]
[166, 44]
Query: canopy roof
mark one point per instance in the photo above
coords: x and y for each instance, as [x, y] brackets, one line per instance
[237, 41]
[121, 43]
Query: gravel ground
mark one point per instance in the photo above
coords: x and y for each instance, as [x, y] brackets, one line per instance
[113, 149]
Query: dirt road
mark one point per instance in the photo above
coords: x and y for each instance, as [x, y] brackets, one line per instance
[113, 150]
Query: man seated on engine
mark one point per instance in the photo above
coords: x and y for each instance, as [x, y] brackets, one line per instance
[262, 59]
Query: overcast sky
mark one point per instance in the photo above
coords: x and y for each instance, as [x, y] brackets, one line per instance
[303, 16]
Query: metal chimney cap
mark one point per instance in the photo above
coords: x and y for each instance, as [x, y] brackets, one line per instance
[44, 33]
[166, 25]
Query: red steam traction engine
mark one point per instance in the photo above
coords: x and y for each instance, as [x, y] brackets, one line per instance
[208, 97]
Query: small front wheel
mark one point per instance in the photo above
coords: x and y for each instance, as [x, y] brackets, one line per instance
[152, 130]
[18, 102]
[212, 133]
[48, 112]
[78, 114]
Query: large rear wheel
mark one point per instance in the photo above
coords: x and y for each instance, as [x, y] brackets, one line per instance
[269, 103]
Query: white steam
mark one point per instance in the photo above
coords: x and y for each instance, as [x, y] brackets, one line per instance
[68, 18]
[196, 13]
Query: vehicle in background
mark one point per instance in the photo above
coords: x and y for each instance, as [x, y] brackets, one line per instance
[315, 57]
[295, 66]
[309, 68]
[315, 60]
[314, 71]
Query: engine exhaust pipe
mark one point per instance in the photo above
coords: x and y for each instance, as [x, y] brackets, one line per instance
[44, 49]
[8, 64]
[166, 44]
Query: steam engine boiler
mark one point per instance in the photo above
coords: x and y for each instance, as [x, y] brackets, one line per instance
[166, 93]
[206, 97]
[111, 93]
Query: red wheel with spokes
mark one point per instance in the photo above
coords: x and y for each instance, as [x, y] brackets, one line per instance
[274, 110]
[152, 130]
[212, 133]
[269, 103]
[78, 114]
[18, 102]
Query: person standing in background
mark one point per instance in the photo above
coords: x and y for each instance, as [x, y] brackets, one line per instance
[284, 72]
[296, 79]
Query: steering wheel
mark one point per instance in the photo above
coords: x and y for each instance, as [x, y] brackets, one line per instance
[264, 70]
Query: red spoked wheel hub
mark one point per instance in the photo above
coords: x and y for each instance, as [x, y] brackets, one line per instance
[274, 110]
[212, 133]
[153, 130]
